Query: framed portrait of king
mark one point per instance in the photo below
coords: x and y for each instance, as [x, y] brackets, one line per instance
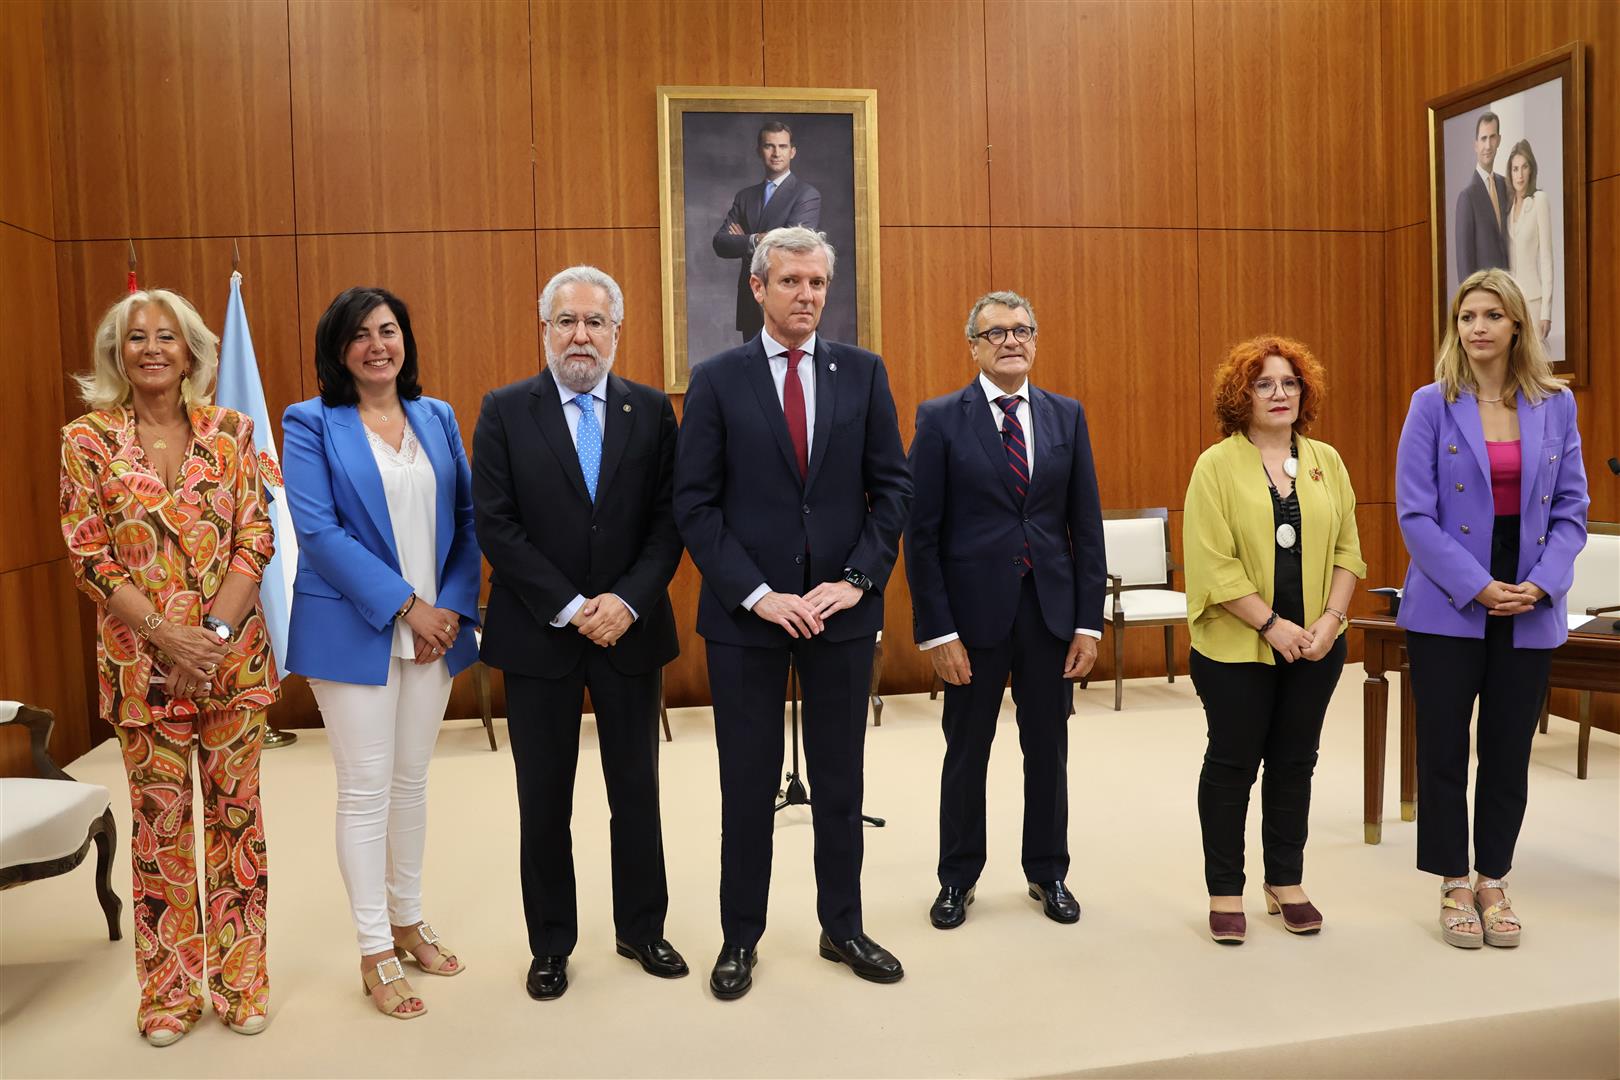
[735, 162]
[1507, 188]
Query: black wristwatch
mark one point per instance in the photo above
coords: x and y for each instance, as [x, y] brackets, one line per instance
[219, 627]
[858, 579]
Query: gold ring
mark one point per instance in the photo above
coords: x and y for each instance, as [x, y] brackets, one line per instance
[448, 628]
[436, 650]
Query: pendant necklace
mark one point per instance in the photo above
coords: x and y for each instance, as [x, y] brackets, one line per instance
[1287, 535]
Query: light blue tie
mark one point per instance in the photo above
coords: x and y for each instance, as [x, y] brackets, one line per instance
[588, 441]
[770, 189]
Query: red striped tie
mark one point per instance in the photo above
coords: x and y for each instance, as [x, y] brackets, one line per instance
[1012, 438]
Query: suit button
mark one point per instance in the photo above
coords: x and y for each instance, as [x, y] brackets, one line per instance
[807, 508]
[1544, 498]
[1541, 539]
[1026, 521]
[593, 528]
[1459, 486]
[1452, 449]
[1018, 560]
[1553, 458]
[798, 560]
[1465, 528]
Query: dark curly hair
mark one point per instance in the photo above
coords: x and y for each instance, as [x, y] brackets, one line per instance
[1235, 376]
[337, 328]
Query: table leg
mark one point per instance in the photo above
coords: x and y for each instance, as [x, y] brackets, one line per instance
[1374, 722]
[1408, 750]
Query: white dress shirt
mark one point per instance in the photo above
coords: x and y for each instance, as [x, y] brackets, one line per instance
[776, 356]
[571, 415]
[1025, 420]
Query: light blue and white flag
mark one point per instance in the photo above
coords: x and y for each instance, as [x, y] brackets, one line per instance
[240, 389]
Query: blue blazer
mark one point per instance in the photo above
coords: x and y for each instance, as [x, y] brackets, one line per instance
[1446, 511]
[349, 585]
[966, 537]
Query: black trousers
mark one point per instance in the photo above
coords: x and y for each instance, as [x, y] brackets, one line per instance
[748, 685]
[543, 724]
[1034, 656]
[1448, 674]
[1260, 712]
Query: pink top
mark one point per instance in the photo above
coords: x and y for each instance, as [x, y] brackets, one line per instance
[1505, 469]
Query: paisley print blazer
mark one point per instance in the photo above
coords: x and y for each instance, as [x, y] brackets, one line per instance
[123, 527]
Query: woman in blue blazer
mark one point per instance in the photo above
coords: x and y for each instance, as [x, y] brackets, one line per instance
[1491, 495]
[388, 575]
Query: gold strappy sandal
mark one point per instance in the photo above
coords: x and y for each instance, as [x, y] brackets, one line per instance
[422, 934]
[1458, 914]
[390, 975]
[1498, 913]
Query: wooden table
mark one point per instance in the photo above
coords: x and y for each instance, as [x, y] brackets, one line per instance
[1589, 660]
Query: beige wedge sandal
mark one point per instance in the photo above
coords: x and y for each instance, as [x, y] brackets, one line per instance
[1458, 914]
[390, 975]
[422, 934]
[1497, 914]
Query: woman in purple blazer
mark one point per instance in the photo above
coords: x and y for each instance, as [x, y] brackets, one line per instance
[1491, 496]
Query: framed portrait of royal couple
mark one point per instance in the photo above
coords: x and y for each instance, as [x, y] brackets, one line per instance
[735, 162]
[1507, 188]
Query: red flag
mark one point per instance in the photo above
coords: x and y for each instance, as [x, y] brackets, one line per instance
[132, 286]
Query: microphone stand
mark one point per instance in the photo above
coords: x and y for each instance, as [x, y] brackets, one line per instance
[793, 792]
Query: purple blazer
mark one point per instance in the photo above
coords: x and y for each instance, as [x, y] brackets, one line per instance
[1443, 499]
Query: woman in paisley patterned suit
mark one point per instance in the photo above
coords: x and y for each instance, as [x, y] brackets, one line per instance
[165, 522]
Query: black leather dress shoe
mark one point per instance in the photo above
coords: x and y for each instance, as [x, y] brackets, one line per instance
[950, 907]
[865, 958]
[733, 974]
[658, 958]
[548, 978]
[1056, 900]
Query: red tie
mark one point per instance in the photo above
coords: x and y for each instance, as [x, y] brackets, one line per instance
[793, 410]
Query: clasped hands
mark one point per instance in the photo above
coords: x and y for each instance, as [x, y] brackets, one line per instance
[603, 619]
[951, 660]
[1296, 642]
[197, 654]
[805, 616]
[1500, 598]
[435, 630]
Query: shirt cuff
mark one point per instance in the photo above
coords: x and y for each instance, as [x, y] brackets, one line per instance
[566, 615]
[627, 607]
[933, 643]
[1089, 633]
[754, 597]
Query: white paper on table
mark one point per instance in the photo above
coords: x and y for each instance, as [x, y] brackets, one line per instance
[1580, 620]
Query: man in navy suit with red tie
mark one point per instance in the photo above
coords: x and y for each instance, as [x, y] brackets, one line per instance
[1004, 554]
[791, 489]
[778, 201]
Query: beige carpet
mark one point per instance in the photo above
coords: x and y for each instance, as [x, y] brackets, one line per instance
[1134, 988]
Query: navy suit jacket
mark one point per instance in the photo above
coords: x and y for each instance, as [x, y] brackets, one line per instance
[1481, 242]
[967, 531]
[746, 516]
[795, 203]
[349, 584]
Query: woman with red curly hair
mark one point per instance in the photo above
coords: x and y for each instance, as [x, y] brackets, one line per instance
[1272, 556]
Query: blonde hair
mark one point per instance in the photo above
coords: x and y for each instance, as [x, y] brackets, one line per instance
[1529, 371]
[106, 387]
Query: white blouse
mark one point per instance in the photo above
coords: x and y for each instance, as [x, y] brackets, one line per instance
[411, 488]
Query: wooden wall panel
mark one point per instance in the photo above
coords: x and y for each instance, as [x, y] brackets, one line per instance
[44, 661]
[411, 116]
[1408, 320]
[1117, 331]
[29, 440]
[25, 99]
[1598, 407]
[173, 118]
[91, 275]
[595, 68]
[931, 149]
[1431, 47]
[1092, 113]
[1287, 146]
[1326, 290]
[1546, 26]
[630, 256]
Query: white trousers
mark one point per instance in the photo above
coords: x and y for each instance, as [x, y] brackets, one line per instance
[382, 743]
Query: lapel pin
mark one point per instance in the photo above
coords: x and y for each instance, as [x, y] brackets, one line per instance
[627, 406]
[1316, 474]
[832, 367]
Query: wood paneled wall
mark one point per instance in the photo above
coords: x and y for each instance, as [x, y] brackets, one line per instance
[1160, 177]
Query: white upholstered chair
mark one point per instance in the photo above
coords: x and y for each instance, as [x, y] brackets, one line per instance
[1595, 591]
[1140, 580]
[48, 823]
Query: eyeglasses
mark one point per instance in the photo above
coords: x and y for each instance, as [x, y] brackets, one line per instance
[595, 325]
[1268, 386]
[998, 334]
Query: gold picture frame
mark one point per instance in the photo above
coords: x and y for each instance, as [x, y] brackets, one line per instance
[707, 143]
[1541, 105]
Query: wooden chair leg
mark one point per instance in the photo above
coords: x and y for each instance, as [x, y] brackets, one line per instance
[877, 677]
[935, 688]
[1170, 652]
[1546, 704]
[106, 847]
[1119, 667]
[485, 708]
[1583, 747]
[663, 710]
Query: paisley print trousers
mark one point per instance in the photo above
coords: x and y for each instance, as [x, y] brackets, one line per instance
[186, 940]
